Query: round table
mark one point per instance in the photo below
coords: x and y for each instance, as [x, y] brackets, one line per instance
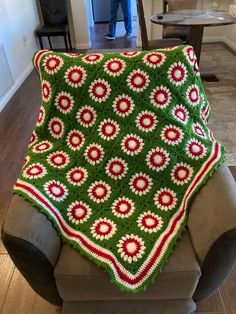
[197, 20]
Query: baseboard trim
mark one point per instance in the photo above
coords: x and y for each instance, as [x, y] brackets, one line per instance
[83, 45]
[213, 39]
[10, 92]
[230, 43]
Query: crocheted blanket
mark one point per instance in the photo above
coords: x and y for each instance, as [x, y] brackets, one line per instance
[120, 148]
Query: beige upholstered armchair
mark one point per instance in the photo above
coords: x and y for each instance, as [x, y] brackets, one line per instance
[199, 264]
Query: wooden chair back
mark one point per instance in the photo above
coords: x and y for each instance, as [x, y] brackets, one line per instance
[142, 25]
[54, 12]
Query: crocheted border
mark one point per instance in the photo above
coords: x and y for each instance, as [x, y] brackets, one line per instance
[162, 248]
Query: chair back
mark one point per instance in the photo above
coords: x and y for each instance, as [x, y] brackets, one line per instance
[54, 12]
[172, 5]
[142, 24]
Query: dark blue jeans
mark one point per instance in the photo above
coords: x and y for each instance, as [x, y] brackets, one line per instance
[126, 8]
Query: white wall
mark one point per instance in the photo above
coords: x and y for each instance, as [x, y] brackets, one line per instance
[80, 12]
[18, 20]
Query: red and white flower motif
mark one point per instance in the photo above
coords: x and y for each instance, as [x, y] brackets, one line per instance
[198, 130]
[132, 144]
[93, 58]
[114, 67]
[78, 212]
[26, 160]
[41, 116]
[169, 48]
[181, 173]
[99, 191]
[58, 159]
[103, 229]
[42, 147]
[165, 199]
[157, 159]
[72, 54]
[94, 154]
[193, 95]
[196, 68]
[64, 102]
[149, 222]
[123, 105]
[56, 127]
[86, 116]
[177, 73]
[116, 168]
[138, 80]
[160, 97]
[35, 171]
[56, 190]
[99, 90]
[181, 114]
[108, 129]
[46, 90]
[190, 55]
[172, 134]
[33, 138]
[123, 207]
[130, 54]
[140, 183]
[52, 64]
[77, 176]
[37, 59]
[75, 76]
[131, 248]
[146, 121]
[75, 139]
[154, 59]
[195, 149]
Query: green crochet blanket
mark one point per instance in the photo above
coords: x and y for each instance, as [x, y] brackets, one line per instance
[120, 148]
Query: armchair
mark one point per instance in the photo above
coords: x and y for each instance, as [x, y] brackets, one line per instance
[201, 260]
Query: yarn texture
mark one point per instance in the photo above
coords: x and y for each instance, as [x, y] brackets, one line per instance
[120, 148]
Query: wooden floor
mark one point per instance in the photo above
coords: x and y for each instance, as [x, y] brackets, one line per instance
[16, 123]
[98, 41]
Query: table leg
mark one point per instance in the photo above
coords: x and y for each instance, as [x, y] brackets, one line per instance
[196, 39]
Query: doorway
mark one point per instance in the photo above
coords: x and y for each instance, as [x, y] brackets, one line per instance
[98, 20]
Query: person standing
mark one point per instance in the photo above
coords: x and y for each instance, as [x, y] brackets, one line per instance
[126, 8]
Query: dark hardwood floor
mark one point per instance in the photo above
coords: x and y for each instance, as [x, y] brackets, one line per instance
[98, 41]
[16, 124]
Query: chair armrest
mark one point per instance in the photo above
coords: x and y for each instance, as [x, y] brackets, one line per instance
[33, 245]
[212, 228]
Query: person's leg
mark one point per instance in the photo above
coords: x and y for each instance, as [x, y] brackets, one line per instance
[126, 8]
[114, 8]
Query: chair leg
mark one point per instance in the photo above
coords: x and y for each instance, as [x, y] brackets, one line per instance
[66, 44]
[50, 44]
[69, 38]
[40, 42]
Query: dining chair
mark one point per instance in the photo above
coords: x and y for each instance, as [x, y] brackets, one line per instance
[182, 32]
[55, 22]
[152, 44]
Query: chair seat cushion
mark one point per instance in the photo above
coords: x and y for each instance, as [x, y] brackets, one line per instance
[58, 30]
[79, 279]
[182, 32]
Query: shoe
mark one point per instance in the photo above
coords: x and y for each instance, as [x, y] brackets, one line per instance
[109, 36]
[128, 35]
